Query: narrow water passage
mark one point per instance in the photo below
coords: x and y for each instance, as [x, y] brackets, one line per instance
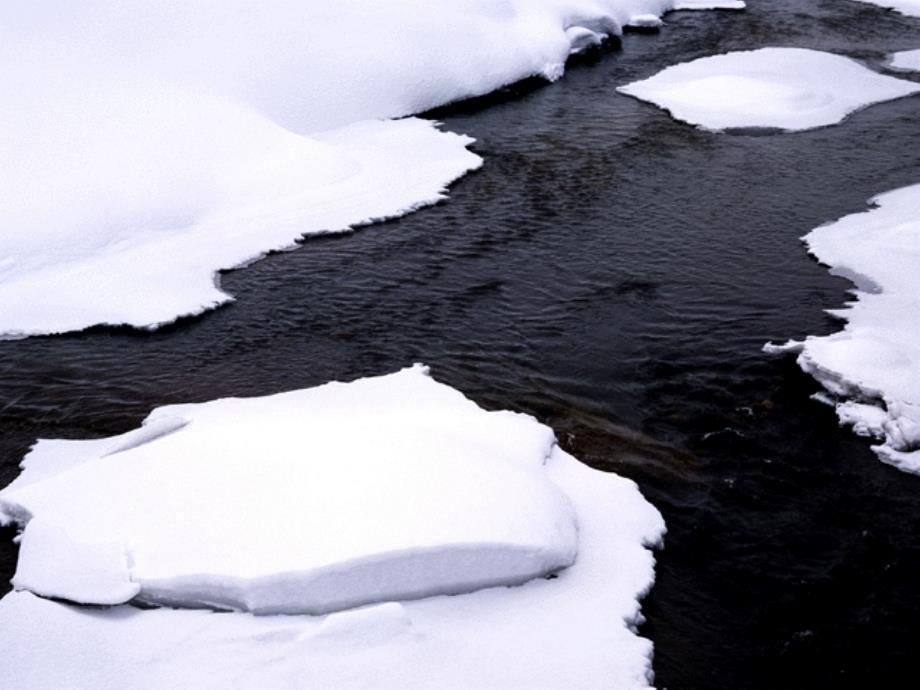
[614, 273]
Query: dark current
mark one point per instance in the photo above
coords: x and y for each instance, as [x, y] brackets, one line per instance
[614, 273]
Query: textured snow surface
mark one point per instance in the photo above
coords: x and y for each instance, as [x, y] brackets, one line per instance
[906, 60]
[395, 480]
[873, 364]
[909, 7]
[148, 144]
[786, 88]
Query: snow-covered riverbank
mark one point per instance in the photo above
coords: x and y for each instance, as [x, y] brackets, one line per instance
[374, 493]
[147, 146]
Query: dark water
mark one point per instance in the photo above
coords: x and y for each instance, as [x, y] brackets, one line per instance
[614, 273]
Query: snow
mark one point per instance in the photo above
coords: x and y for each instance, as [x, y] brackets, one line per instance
[906, 60]
[709, 5]
[352, 496]
[872, 366]
[909, 7]
[374, 476]
[786, 88]
[148, 145]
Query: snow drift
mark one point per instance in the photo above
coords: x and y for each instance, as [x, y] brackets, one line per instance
[375, 492]
[872, 366]
[786, 88]
[146, 145]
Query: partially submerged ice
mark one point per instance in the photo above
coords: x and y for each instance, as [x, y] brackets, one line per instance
[907, 60]
[872, 366]
[147, 147]
[785, 88]
[362, 501]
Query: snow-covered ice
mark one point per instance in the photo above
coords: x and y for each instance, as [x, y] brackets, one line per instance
[709, 5]
[872, 366]
[908, 60]
[786, 88]
[147, 145]
[321, 499]
[909, 7]
[396, 487]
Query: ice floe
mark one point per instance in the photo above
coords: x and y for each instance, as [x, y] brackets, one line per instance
[709, 5]
[786, 88]
[908, 60]
[872, 366]
[909, 7]
[381, 493]
[148, 145]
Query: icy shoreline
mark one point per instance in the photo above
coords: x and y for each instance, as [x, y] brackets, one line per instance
[287, 490]
[872, 367]
[147, 149]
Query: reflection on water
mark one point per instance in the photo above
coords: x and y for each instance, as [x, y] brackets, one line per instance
[614, 273]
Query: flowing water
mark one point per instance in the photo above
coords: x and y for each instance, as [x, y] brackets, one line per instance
[614, 273]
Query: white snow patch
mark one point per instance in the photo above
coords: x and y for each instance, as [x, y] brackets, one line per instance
[709, 5]
[908, 60]
[401, 463]
[874, 362]
[786, 88]
[911, 8]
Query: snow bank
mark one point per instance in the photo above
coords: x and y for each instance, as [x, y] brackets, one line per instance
[906, 60]
[909, 7]
[146, 145]
[375, 476]
[873, 365]
[787, 88]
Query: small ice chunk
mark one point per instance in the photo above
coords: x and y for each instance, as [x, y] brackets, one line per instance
[785, 88]
[709, 5]
[908, 60]
[644, 21]
[53, 564]
[866, 420]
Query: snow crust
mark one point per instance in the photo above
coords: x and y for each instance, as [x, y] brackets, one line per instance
[906, 60]
[146, 145]
[309, 501]
[911, 8]
[487, 491]
[786, 88]
[872, 366]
